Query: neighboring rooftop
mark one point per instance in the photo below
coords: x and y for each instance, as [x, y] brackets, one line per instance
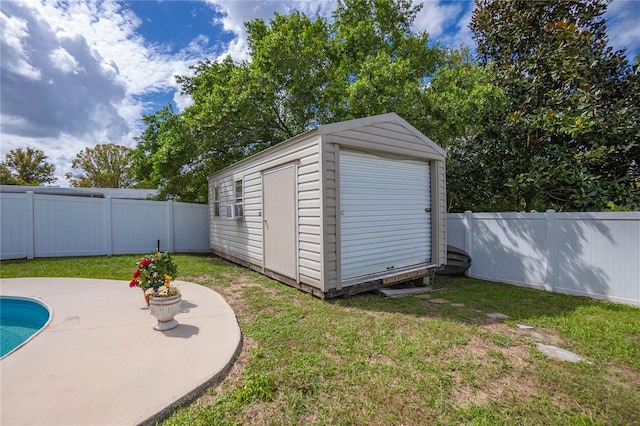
[122, 193]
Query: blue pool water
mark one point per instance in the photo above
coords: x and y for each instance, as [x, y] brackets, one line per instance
[20, 318]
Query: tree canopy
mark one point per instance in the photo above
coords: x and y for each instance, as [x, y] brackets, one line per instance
[569, 138]
[462, 102]
[303, 72]
[103, 166]
[27, 166]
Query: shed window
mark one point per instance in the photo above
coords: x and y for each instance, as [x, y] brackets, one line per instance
[239, 191]
[238, 210]
[216, 201]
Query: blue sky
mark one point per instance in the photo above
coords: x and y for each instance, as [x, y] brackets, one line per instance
[83, 72]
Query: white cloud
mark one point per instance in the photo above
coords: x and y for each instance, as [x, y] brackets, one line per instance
[63, 60]
[623, 18]
[182, 101]
[14, 32]
[446, 22]
[463, 34]
[236, 13]
[435, 17]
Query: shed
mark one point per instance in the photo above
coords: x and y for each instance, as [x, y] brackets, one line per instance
[343, 208]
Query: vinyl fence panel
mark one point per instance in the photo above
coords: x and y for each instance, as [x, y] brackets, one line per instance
[513, 244]
[138, 225]
[455, 230]
[15, 214]
[191, 229]
[37, 225]
[588, 254]
[603, 256]
[68, 227]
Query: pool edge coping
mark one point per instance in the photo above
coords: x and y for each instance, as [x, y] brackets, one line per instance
[40, 330]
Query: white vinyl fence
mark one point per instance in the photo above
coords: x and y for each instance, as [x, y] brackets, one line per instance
[37, 225]
[587, 254]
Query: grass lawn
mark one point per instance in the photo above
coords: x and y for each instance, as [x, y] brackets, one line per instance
[371, 360]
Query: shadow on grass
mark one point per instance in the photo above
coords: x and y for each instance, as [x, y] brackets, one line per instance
[480, 298]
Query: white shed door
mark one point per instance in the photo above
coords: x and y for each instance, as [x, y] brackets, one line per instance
[385, 219]
[279, 220]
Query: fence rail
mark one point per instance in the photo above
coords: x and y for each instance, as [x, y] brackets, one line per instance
[587, 254]
[38, 225]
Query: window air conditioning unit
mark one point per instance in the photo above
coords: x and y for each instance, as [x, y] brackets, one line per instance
[235, 211]
[238, 211]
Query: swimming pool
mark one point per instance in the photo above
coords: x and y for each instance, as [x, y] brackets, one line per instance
[20, 319]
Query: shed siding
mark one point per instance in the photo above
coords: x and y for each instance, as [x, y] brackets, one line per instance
[331, 253]
[440, 231]
[243, 238]
[309, 224]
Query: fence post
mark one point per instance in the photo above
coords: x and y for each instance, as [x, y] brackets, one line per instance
[170, 227]
[30, 224]
[468, 236]
[551, 241]
[108, 224]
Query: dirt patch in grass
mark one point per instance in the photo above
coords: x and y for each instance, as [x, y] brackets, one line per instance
[258, 414]
[500, 390]
[233, 294]
[625, 375]
[490, 371]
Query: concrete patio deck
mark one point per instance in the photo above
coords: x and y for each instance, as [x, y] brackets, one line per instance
[99, 361]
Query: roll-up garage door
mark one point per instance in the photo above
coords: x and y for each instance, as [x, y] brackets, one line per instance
[385, 219]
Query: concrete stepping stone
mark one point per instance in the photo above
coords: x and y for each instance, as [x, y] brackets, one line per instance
[498, 315]
[541, 337]
[403, 292]
[458, 305]
[537, 337]
[559, 354]
[439, 301]
[525, 327]
[423, 296]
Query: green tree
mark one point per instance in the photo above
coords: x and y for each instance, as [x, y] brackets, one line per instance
[103, 166]
[6, 178]
[27, 166]
[381, 64]
[303, 72]
[461, 103]
[169, 157]
[569, 138]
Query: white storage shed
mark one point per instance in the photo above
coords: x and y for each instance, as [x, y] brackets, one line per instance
[343, 208]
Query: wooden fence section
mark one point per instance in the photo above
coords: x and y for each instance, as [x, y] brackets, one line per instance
[37, 225]
[587, 254]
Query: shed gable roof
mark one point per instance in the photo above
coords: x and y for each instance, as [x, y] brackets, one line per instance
[379, 129]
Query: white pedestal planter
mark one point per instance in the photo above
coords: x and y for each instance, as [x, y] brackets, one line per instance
[165, 309]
